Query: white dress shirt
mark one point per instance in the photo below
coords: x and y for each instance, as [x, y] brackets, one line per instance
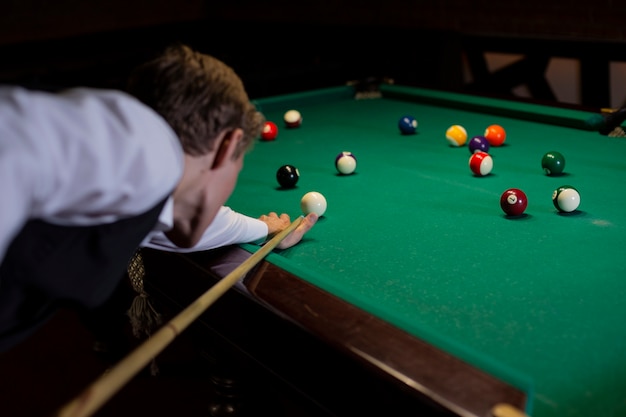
[87, 156]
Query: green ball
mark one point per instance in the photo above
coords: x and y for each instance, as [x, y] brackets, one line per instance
[553, 163]
[566, 198]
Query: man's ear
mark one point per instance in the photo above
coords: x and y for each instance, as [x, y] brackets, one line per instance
[226, 147]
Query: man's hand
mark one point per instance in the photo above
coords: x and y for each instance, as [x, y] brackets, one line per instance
[276, 223]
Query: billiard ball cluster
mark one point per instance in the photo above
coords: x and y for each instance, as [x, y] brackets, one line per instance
[292, 118]
[565, 198]
[313, 201]
[494, 135]
[480, 161]
[513, 201]
[288, 175]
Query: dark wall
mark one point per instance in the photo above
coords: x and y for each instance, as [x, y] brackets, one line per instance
[279, 46]
[270, 58]
[24, 20]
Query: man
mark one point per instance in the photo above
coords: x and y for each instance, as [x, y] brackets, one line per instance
[91, 175]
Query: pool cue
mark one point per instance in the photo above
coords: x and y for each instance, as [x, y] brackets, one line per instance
[103, 388]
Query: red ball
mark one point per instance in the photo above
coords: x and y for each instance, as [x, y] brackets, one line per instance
[513, 202]
[270, 131]
[481, 163]
[495, 134]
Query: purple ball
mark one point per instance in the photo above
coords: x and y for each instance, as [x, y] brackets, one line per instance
[478, 144]
[345, 163]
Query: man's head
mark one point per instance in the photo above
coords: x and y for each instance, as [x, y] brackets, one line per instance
[205, 103]
[199, 96]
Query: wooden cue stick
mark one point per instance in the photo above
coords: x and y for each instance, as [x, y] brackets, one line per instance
[103, 388]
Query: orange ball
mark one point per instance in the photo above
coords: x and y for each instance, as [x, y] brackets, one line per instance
[495, 134]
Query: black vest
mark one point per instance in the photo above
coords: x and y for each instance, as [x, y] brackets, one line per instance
[48, 266]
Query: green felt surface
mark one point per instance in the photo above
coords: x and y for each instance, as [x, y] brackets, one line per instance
[415, 238]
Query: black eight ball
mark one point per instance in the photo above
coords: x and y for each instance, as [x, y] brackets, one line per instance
[287, 176]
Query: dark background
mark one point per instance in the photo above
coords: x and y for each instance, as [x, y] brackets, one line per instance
[284, 46]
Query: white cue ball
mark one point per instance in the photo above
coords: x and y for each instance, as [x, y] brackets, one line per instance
[313, 202]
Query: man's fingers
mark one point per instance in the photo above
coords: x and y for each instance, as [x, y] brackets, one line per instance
[295, 236]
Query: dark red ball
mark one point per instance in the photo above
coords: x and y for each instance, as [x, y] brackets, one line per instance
[513, 202]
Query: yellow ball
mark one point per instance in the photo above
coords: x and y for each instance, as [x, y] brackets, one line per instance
[456, 135]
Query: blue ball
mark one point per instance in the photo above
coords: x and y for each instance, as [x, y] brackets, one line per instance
[478, 144]
[407, 125]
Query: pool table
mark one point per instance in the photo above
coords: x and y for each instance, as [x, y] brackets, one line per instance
[414, 283]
